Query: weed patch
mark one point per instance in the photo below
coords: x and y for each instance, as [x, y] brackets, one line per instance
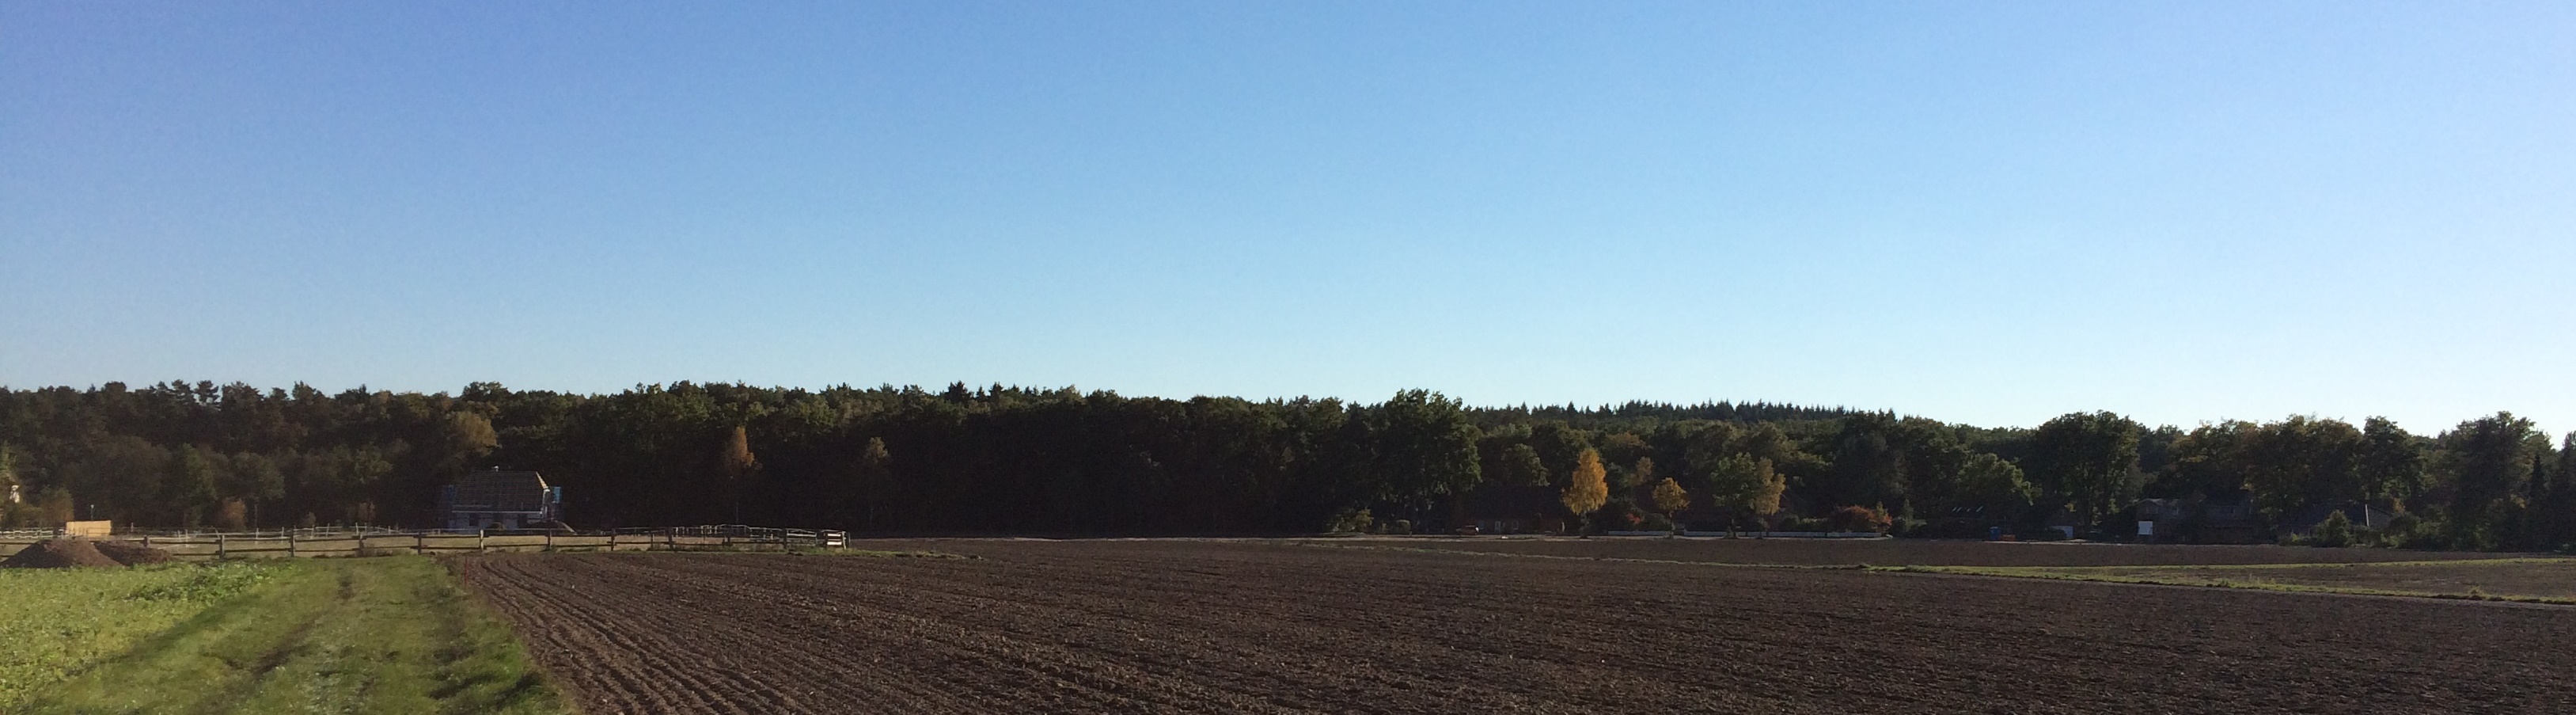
[59, 623]
[384, 635]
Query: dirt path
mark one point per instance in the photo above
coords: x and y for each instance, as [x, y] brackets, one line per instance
[1230, 627]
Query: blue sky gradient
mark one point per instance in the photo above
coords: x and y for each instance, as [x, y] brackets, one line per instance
[1982, 212]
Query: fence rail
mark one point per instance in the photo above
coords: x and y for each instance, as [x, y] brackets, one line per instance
[304, 543]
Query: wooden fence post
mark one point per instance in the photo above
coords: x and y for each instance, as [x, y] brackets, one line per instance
[219, 546]
[290, 544]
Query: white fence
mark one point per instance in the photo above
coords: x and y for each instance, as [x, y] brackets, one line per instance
[1763, 534]
[311, 543]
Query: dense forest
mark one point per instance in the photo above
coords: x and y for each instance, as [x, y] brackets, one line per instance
[1033, 460]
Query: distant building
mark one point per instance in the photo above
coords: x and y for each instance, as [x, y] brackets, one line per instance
[2226, 518]
[500, 500]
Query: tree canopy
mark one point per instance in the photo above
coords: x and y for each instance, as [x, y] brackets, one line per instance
[1062, 460]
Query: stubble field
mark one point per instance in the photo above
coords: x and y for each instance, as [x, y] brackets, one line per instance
[1214, 626]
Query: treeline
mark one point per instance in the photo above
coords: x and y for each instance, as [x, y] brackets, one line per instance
[1033, 460]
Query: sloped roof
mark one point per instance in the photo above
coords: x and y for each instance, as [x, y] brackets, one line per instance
[500, 491]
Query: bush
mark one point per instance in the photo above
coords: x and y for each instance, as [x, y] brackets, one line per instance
[2335, 531]
[1617, 514]
[1858, 518]
[2408, 531]
[1953, 529]
[1653, 522]
[1350, 521]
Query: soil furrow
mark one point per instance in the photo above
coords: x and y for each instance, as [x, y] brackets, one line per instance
[1218, 626]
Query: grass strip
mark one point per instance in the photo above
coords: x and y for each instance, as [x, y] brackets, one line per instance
[375, 635]
[2501, 561]
[59, 623]
[2099, 574]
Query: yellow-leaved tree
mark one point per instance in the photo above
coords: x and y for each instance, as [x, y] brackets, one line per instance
[1587, 490]
[1670, 499]
[737, 465]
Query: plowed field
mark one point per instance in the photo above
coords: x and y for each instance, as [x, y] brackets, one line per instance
[1181, 626]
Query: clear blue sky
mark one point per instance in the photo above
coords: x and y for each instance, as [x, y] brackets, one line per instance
[1982, 212]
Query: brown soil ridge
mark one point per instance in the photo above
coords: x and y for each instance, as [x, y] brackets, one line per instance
[60, 554]
[132, 554]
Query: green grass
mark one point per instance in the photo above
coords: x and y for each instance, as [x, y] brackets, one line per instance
[2374, 579]
[58, 623]
[373, 635]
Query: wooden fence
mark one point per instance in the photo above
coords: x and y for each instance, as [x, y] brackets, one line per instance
[321, 544]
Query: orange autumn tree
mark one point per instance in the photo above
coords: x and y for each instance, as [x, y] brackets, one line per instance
[737, 465]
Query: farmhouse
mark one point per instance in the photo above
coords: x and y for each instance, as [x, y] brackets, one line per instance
[2227, 518]
[499, 499]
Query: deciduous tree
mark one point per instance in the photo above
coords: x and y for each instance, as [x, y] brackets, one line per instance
[2087, 459]
[1670, 498]
[2392, 461]
[1747, 486]
[1586, 489]
[736, 463]
[2485, 462]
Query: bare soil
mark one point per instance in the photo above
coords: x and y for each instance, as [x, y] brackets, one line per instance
[1198, 626]
[59, 554]
[131, 554]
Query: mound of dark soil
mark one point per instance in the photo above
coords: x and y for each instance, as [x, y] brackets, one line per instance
[59, 554]
[130, 553]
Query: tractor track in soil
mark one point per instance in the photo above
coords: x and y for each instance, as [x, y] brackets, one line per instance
[1196, 626]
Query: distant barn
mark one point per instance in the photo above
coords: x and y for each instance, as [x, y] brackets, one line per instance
[500, 500]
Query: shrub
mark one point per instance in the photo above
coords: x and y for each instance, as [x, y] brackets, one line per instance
[2335, 531]
[1615, 515]
[1653, 522]
[1350, 521]
[1858, 518]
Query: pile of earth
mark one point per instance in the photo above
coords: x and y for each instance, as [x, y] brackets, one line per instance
[130, 553]
[72, 553]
